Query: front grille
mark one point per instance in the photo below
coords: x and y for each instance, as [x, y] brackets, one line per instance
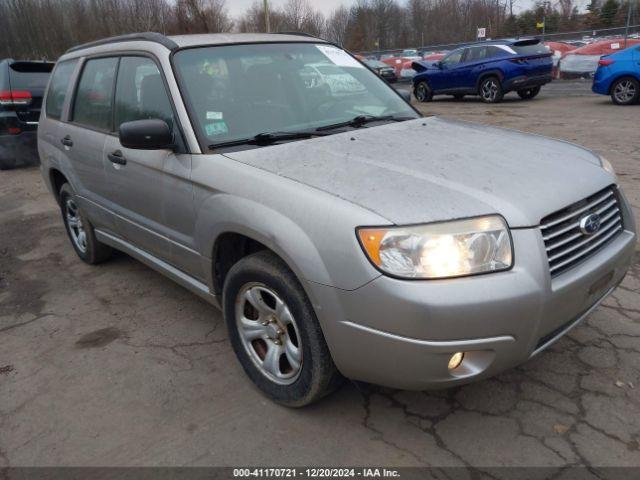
[564, 240]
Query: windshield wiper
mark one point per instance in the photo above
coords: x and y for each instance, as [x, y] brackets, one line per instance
[361, 120]
[268, 138]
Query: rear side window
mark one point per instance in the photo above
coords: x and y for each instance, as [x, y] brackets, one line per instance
[535, 49]
[476, 53]
[30, 76]
[493, 51]
[58, 88]
[93, 101]
[140, 92]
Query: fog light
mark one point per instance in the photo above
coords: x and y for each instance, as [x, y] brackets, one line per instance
[455, 360]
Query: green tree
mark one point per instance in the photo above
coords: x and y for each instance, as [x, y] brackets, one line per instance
[608, 12]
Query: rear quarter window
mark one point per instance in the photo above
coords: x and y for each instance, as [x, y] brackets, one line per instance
[535, 49]
[58, 88]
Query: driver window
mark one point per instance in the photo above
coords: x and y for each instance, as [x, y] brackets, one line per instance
[140, 92]
[452, 59]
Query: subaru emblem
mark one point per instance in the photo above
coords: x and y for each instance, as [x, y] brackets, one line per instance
[590, 224]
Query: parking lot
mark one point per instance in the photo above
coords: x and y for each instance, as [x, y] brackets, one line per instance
[117, 365]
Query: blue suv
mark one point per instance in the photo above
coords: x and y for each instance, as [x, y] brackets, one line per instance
[618, 75]
[488, 69]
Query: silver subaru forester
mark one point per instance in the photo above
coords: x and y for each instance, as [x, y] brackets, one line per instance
[341, 233]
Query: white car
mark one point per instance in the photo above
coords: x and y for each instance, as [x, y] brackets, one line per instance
[335, 78]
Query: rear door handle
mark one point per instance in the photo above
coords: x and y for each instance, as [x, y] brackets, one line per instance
[66, 141]
[117, 157]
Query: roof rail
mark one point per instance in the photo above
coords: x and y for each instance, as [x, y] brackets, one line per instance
[145, 36]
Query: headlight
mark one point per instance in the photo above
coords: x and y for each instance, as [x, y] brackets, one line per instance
[440, 250]
[606, 164]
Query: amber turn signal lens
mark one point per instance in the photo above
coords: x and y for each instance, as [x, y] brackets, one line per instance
[371, 240]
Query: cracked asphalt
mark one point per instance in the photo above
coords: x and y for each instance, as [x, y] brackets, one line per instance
[117, 366]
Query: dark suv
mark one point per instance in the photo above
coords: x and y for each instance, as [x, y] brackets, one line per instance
[488, 69]
[22, 86]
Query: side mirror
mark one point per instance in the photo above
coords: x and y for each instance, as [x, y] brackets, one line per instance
[405, 95]
[153, 134]
[440, 65]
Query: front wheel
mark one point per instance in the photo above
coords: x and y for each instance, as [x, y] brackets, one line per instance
[625, 91]
[490, 90]
[528, 93]
[275, 333]
[423, 92]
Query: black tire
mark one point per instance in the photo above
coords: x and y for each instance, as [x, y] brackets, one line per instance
[423, 92]
[317, 375]
[490, 90]
[529, 93]
[625, 91]
[93, 252]
[7, 163]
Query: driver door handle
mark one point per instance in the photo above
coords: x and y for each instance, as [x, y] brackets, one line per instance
[66, 141]
[117, 157]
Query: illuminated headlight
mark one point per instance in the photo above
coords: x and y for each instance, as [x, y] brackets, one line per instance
[606, 164]
[440, 250]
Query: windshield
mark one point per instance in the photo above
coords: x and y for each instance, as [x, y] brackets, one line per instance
[239, 91]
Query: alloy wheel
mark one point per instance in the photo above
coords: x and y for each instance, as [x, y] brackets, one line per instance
[421, 92]
[76, 227]
[489, 90]
[625, 91]
[269, 333]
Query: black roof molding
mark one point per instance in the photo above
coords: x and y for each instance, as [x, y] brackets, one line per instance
[144, 36]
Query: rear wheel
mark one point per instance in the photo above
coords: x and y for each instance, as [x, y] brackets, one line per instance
[423, 92]
[528, 93]
[625, 91]
[80, 230]
[275, 333]
[490, 90]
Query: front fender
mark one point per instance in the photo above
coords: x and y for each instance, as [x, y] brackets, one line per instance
[225, 213]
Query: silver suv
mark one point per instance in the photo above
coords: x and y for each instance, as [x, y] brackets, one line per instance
[341, 233]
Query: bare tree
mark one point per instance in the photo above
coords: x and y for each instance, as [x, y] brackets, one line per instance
[338, 25]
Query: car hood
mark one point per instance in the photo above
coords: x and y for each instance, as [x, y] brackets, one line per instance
[433, 169]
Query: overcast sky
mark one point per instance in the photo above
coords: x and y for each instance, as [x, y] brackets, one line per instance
[237, 7]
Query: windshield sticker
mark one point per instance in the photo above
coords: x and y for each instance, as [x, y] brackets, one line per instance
[214, 115]
[339, 57]
[216, 128]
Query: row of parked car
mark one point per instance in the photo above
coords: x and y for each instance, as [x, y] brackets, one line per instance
[492, 69]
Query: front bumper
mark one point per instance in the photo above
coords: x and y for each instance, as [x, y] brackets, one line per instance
[401, 334]
[521, 82]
